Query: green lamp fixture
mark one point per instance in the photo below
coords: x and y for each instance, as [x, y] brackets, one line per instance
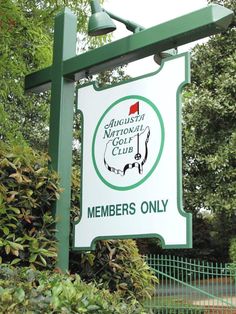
[100, 23]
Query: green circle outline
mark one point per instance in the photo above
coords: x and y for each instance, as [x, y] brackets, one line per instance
[126, 188]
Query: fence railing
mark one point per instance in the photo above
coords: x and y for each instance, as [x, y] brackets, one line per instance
[190, 286]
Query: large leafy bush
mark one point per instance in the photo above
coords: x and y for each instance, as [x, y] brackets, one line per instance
[27, 190]
[232, 250]
[117, 266]
[23, 290]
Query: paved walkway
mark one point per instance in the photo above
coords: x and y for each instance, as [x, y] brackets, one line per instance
[215, 302]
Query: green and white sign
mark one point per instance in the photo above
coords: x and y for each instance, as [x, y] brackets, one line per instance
[131, 159]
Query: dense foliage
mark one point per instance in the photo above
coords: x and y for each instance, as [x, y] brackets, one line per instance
[21, 119]
[23, 290]
[26, 31]
[209, 142]
[209, 146]
[232, 250]
[114, 265]
[117, 266]
[27, 190]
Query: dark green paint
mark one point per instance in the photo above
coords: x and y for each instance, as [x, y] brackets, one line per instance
[99, 22]
[190, 27]
[61, 127]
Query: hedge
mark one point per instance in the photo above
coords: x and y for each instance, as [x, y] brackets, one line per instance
[27, 191]
[23, 290]
[27, 235]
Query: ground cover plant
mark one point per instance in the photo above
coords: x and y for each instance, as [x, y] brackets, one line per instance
[24, 290]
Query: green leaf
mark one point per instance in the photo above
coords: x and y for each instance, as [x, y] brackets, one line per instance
[49, 253]
[15, 261]
[38, 185]
[93, 307]
[33, 258]
[43, 260]
[6, 230]
[19, 295]
[16, 246]
[7, 249]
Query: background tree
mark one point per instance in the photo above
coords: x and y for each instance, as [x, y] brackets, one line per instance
[209, 147]
[209, 139]
[26, 30]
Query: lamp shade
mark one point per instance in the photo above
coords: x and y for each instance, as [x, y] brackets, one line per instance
[100, 22]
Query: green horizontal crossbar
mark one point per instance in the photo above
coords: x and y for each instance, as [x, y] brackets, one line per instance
[187, 28]
[39, 81]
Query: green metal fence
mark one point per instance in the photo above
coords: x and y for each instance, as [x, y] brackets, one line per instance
[190, 286]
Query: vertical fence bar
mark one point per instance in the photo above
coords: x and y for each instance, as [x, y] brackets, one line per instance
[193, 273]
[151, 257]
[213, 284]
[216, 286]
[231, 292]
[208, 284]
[180, 276]
[226, 280]
[221, 277]
[169, 267]
[173, 272]
[189, 277]
[199, 278]
[166, 270]
[184, 277]
[233, 282]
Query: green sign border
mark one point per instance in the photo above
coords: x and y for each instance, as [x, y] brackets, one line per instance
[179, 169]
[125, 188]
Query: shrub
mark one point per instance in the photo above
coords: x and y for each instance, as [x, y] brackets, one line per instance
[23, 290]
[232, 250]
[27, 190]
[232, 254]
[117, 266]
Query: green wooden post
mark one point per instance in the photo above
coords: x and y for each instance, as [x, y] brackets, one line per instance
[61, 127]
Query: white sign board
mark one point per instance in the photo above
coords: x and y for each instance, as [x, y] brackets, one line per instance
[131, 160]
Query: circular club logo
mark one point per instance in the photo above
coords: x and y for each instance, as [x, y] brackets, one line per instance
[128, 142]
